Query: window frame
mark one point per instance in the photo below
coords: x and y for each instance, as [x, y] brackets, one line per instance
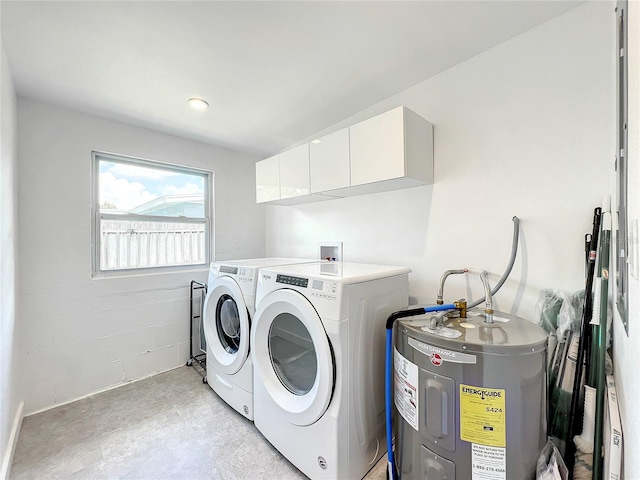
[97, 216]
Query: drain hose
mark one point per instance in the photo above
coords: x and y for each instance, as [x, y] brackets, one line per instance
[388, 374]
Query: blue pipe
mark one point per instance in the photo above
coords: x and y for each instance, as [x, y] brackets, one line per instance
[388, 374]
[388, 404]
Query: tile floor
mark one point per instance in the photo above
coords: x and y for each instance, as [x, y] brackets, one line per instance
[169, 426]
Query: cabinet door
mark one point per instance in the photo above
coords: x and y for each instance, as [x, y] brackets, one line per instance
[268, 179]
[377, 148]
[294, 172]
[329, 162]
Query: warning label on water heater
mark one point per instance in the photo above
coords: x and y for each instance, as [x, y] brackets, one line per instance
[482, 416]
[488, 463]
[406, 388]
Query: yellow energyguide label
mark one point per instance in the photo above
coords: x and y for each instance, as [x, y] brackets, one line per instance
[483, 416]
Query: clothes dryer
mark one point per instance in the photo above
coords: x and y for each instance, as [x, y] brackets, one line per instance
[318, 341]
[227, 312]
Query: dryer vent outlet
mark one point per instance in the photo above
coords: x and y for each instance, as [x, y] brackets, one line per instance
[331, 251]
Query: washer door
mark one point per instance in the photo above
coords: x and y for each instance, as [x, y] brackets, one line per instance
[226, 326]
[292, 356]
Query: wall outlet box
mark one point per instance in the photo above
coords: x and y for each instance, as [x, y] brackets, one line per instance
[331, 251]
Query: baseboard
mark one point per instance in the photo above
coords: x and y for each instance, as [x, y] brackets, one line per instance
[11, 444]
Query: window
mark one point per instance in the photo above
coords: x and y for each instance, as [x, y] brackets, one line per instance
[148, 214]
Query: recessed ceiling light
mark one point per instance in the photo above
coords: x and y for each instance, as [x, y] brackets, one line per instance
[198, 103]
[317, 140]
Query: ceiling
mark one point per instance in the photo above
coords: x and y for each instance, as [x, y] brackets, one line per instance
[273, 72]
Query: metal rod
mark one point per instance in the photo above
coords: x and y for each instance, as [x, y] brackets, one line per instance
[584, 342]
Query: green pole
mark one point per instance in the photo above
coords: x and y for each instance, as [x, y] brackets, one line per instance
[601, 345]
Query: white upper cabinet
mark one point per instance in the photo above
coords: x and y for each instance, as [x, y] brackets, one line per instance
[377, 148]
[294, 172]
[284, 178]
[329, 162]
[268, 179]
[389, 151]
[395, 148]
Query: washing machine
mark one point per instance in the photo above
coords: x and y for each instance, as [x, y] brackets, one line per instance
[227, 312]
[318, 341]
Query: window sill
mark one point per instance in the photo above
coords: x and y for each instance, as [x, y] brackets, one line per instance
[149, 272]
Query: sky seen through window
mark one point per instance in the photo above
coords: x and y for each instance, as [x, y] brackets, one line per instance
[123, 187]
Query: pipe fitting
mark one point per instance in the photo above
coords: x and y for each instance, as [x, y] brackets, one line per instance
[461, 305]
[460, 308]
[436, 320]
[488, 310]
[439, 298]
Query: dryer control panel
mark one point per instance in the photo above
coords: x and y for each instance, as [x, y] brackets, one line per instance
[319, 288]
[295, 281]
[324, 289]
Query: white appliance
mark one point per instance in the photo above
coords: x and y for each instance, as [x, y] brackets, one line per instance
[318, 343]
[227, 312]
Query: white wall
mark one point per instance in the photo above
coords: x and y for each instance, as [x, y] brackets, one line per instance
[82, 335]
[10, 394]
[626, 351]
[523, 129]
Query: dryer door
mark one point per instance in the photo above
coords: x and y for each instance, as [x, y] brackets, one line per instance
[226, 326]
[292, 356]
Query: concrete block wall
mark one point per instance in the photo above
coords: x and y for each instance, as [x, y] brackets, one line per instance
[84, 334]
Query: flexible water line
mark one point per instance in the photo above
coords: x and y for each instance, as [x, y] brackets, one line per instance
[505, 275]
[388, 375]
[487, 295]
[437, 319]
[388, 404]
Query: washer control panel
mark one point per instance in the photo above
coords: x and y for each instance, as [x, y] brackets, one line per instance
[241, 274]
[228, 269]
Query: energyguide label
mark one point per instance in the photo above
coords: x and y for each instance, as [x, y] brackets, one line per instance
[482, 416]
